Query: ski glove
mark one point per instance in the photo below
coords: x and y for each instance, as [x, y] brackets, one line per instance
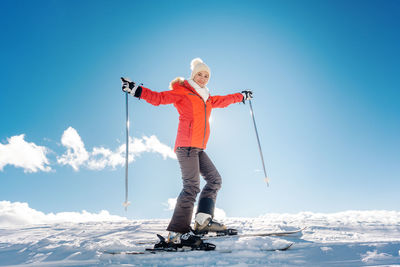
[247, 95]
[131, 87]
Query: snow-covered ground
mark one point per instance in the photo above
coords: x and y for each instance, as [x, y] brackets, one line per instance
[351, 238]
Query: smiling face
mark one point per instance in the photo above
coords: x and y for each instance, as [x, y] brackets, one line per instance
[201, 78]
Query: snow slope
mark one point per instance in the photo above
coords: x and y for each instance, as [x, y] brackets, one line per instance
[351, 238]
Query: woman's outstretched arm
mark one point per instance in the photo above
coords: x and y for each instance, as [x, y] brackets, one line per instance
[224, 101]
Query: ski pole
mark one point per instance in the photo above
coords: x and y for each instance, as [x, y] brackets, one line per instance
[259, 145]
[126, 203]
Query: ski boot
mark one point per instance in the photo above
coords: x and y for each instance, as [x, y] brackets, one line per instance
[204, 222]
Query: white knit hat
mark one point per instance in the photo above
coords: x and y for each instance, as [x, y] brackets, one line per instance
[198, 65]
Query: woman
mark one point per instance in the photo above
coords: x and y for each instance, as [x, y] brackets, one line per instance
[194, 103]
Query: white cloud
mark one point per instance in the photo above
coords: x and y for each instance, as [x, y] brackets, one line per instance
[219, 214]
[18, 213]
[100, 157]
[76, 153]
[22, 154]
[154, 145]
[170, 204]
[33, 158]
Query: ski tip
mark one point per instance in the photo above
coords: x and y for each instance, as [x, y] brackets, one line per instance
[284, 248]
[287, 247]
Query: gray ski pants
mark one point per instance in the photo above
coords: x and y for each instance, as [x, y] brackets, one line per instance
[193, 161]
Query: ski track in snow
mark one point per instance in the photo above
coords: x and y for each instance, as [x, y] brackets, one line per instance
[352, 238]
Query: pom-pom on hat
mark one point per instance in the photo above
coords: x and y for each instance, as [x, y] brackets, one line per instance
[198, 65]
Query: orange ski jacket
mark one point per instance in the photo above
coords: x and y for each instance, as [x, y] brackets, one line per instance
[194, 112]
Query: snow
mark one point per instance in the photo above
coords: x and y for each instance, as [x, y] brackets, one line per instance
[374, 256]
[351, 238]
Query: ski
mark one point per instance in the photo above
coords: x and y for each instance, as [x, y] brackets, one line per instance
[229, 231]
[124, 252]
[239, 235]
[186, 249]
[281, 233]
[148, 251]
[157, 251]
[164, 246]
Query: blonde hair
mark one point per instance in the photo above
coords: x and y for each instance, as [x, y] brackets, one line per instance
[179, 80]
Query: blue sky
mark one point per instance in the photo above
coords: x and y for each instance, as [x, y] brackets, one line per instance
[325, 78]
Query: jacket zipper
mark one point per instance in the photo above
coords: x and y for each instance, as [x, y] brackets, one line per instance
[205, 121]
